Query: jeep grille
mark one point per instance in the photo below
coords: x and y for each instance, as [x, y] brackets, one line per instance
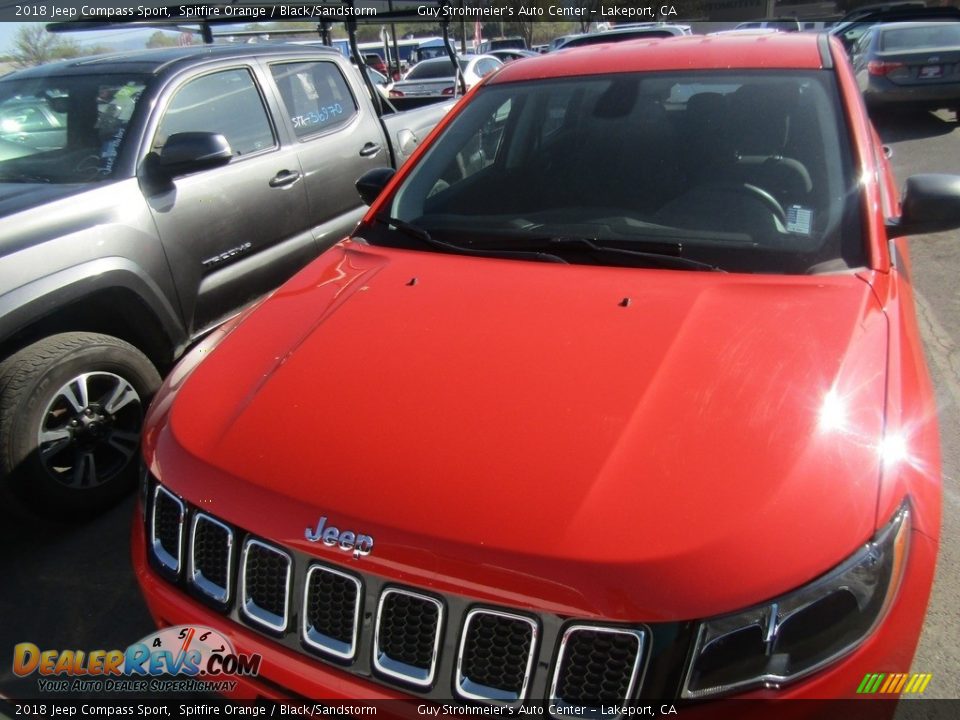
[428, 643]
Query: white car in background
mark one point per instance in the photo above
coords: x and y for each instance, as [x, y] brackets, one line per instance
[437, 77]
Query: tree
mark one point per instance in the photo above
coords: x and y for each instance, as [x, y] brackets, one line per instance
[33, 45]
[160, 39]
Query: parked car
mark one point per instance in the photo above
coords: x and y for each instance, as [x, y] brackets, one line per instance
[912, 65]
[376, 62]
[431, 48]
[29, 124]
[510, 55]
[850, 31]
[558, 41]
[864, 10]
[780, 25]
[630, 32]
[435, 77]
[627, 401]
[144, 198]
[501, 43]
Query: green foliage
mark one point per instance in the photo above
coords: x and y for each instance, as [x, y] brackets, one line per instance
[160, 39]
[33, 45]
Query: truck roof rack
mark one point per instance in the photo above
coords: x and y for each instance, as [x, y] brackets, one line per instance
[201, 20]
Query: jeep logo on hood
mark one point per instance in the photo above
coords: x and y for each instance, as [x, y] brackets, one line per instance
[346, 540]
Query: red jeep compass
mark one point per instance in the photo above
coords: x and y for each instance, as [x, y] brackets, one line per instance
[616, 393]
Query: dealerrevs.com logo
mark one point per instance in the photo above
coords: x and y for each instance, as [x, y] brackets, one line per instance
[186, 658]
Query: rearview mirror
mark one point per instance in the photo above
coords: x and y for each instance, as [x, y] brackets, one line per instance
[372, 183]
[931, 203]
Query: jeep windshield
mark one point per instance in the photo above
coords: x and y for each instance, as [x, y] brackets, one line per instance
[747, 171]
[67, 129]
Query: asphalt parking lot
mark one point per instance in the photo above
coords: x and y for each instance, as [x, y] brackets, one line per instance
[928, 142]
[71, 586]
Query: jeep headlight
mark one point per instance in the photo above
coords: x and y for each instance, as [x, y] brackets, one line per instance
[803, 631]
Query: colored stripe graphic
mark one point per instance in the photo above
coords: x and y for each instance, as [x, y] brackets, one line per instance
[894, 683]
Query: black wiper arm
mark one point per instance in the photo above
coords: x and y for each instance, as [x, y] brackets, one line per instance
[663, 258]
[426, 238]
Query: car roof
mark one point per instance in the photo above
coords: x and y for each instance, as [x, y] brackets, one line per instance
[160, 60]
[689, 52]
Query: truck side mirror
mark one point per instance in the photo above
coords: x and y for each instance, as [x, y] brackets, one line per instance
[372, 183]
[188, 152]
[931, 203]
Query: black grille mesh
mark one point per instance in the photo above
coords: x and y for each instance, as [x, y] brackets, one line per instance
[597, 667]
[408, 628]
[496, 650]
[266, 579]
[211, 549]
[167, 517]
[331, 599]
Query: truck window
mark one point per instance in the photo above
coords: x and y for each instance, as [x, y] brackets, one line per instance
[226, 102]
[315, 94]
[64, 129]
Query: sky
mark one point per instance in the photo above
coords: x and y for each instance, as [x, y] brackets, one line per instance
[9, 29]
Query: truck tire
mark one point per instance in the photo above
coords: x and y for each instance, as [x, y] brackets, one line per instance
[71, 411]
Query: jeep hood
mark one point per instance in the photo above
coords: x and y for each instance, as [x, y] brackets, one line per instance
[628, 443]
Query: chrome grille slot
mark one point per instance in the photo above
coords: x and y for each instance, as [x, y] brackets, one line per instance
[596, 666]
[407, 637]
[265, 574]
[166, 529]
[211, 557]
[331, 612]
[496, 657]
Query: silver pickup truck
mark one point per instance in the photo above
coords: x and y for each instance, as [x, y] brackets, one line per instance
[145, 198]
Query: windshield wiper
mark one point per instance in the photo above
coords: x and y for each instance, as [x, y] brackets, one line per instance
[591, 244]
[419, 233]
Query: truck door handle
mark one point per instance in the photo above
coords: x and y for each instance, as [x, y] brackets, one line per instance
[369, 150]
[284, 178]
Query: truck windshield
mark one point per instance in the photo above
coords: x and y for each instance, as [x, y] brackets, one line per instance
[747, 171]
[67, 129]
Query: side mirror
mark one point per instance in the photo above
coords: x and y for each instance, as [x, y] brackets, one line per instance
[372, 183]
[407, 142]
[189, 152]
[931, 203]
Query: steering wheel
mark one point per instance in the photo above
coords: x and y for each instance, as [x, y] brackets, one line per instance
[756, 193]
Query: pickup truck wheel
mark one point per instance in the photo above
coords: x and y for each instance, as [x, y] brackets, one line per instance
[71, 411]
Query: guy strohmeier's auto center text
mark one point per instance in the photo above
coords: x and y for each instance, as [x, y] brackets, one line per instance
[555, 11]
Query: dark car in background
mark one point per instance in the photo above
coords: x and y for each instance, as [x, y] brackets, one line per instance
[909, 65]
[511, 54]
[781, 25]
[621, 34]
[851, 31]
